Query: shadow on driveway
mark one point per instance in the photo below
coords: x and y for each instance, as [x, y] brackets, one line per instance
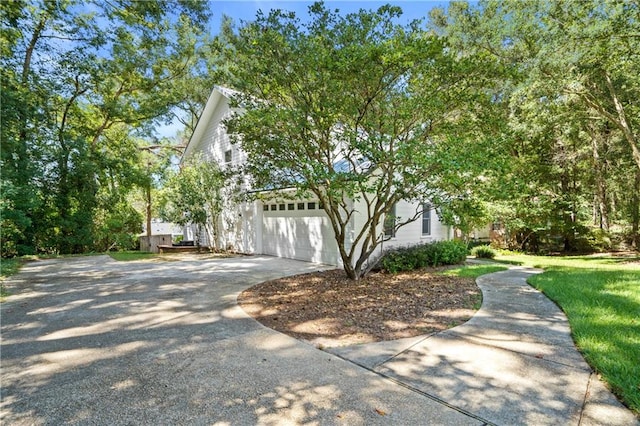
[94, 341]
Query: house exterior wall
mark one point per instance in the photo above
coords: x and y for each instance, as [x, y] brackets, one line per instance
[239, 223]
[409, 234]
[215, 140]
[296, 233]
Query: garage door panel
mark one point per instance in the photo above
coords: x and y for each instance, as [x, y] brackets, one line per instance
[307, 238]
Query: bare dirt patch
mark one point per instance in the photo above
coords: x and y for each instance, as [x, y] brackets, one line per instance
[326, 308]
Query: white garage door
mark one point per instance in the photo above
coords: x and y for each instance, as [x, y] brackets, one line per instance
[301, 234]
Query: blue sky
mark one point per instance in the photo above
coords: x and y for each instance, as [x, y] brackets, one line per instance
[245, 10]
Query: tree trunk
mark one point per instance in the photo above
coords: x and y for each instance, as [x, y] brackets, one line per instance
[148, 209]
[635, 213]
[601, 202]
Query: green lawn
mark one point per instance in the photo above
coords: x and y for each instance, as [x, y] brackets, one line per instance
[474, 271]
[125, 256]
[8, 267]
[601, 297]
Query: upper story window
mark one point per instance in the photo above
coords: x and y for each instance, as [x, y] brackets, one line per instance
[426, 219]
[390, 223]
[227, 156]
[311, 206]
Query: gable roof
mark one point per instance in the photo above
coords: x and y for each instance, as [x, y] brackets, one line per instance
[217, 95]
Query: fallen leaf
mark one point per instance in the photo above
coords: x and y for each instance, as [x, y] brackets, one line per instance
[379, 411]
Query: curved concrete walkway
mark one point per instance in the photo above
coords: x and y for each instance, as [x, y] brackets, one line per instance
[513, 363]
[94, 341]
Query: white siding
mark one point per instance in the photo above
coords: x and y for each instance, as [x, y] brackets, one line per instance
[238, 223]
[215, 141]
[411, 233]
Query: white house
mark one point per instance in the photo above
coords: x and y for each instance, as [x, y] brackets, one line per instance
[278, 225]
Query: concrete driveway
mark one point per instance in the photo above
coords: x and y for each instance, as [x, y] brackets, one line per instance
[94, 341]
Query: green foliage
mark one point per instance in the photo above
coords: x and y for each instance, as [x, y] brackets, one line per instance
[9, 267]
[423, 255]
[387, 114]
[483, 252]
[465, 214]
[117, 229]
[83, 86]
[569, 102]
[195, 196]
[596, 240]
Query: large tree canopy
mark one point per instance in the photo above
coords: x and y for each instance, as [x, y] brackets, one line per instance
[358, 111]
[572, 111]
[527, 110]
[83, 84]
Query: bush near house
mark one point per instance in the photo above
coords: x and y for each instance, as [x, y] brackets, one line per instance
[483, 252]
[423, 255]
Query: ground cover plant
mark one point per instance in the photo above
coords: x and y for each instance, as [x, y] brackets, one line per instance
[473, 271]
[125, 256]
[483, 252]
[601, 297]
[8, 267]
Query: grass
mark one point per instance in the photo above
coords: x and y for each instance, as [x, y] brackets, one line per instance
[8, 267]
[473, 271]
[126, 256]
[601, 297]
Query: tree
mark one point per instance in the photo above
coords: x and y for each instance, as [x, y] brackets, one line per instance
[358, 111]
[571, 98]
[194, 196]
[83, 83]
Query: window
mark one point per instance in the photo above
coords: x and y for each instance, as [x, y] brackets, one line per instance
[265, 207]
[290, 206]
[311, 206]
[300, 206]
[390, 223]
[273, 207]
[426, 219]
[227, 156]
[281, 206]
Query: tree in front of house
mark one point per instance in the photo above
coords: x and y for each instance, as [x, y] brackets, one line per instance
[195, 196]
[359, 112]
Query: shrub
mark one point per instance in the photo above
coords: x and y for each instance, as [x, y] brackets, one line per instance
[423, 255]
[448, 253]
[596, 240]
[483, 252]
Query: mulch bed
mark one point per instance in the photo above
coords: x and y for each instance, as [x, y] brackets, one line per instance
[327, 309]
